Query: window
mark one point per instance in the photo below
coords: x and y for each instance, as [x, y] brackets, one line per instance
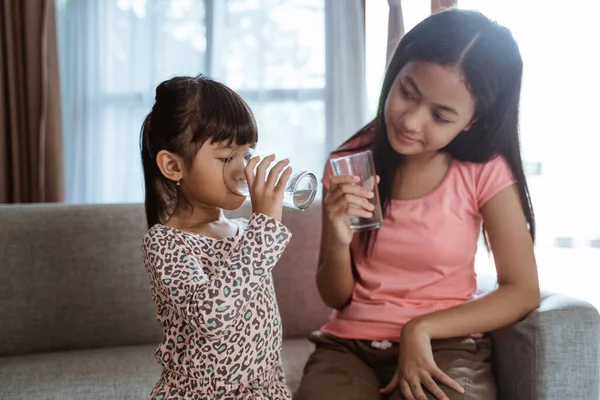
[113, 53]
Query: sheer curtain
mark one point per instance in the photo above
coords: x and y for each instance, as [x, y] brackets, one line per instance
[345, 77]
[280, 55]
[559, 135]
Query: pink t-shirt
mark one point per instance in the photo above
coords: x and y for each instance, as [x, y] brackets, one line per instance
[424, 256]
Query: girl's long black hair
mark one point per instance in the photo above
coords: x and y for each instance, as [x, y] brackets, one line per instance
[490, 61]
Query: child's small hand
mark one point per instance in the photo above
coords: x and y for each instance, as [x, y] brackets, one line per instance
[266, 193]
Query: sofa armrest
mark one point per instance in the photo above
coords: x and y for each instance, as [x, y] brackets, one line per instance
[551, 354]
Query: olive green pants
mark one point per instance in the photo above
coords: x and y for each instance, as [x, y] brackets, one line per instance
[349, 369]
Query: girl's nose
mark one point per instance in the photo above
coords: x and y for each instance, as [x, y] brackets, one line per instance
[412, 121]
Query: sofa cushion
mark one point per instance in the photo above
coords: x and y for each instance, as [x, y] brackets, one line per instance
[294, 356]
[77, 280]
[553, 353]
[110, 373]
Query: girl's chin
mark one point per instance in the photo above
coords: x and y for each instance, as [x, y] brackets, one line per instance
[234, 202]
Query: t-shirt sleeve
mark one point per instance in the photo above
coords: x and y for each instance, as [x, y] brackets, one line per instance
[491, 178]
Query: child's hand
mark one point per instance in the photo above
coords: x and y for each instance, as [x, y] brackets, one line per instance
[266, 193]
[346, 199]
[417, 368]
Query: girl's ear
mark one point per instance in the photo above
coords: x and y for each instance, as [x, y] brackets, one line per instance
[170, 165]
[470, 124]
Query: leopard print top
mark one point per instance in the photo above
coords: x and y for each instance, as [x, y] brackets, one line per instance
[216, 303]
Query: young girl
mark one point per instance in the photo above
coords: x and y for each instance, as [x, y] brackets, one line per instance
[210, 276]
[445, 141]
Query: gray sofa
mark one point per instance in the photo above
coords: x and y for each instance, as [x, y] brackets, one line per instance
[77, 319]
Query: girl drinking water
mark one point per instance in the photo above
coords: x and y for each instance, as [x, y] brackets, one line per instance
[210, 276]
[445, 142]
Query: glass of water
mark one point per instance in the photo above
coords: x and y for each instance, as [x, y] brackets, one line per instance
[363, 166]
[300, 190]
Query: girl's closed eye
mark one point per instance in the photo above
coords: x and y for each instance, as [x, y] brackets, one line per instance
[438, 118]
[405, 92]
[224, 160]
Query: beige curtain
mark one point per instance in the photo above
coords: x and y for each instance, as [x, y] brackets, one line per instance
[31, 168]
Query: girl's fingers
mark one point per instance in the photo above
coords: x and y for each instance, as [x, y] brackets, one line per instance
[349, 211]
[357, 212]
[405, 389]
[430, 384]
[337, 180]
[275, 171]
[417, 389]
[283, 180]
[355, 190]
[446, 380]
[249, 171]
[390, 386]
[350, 201]
[261, 170]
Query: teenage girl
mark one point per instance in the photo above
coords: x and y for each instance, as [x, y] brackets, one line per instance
[407, 324]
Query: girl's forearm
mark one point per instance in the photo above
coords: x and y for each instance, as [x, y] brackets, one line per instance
[502, 307]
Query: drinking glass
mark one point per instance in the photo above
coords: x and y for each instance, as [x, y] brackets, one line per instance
[300, 190]
[363, 166]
